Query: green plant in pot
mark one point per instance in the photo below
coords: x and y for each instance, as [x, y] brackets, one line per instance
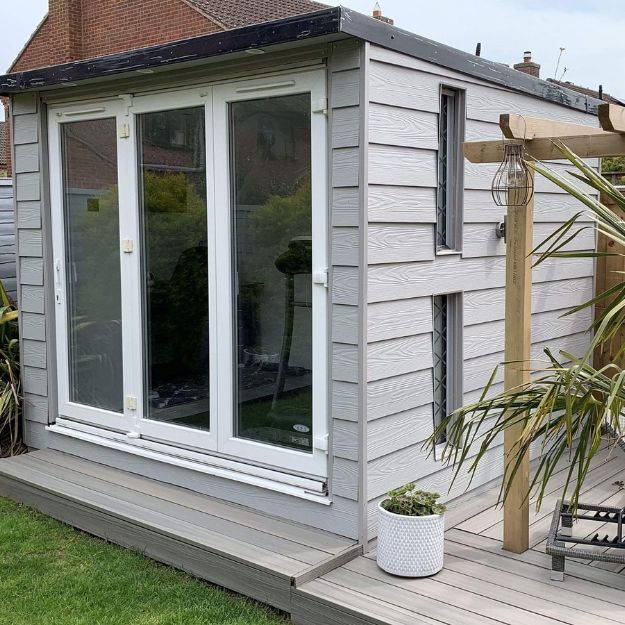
[411, 528]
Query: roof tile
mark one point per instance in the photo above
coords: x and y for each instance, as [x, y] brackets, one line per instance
[236, 13]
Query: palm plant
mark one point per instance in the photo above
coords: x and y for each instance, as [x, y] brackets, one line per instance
[569, 404]
[10, 387]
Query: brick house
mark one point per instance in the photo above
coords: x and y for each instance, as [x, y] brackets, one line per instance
[74, 30]
[4, 148]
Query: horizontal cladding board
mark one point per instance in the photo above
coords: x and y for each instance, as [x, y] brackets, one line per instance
[480, 176]
[345, 362]
[488, 338]
[345, 88]
[391, 243]
[448, 274]
[392, 125]
[390, 165]
[481, 239]
[345, 437]
[34, 353]
[344, 481]
[394, 357]
[29, 215]
[346, 206]
[32, 299]
[398, 430]
[27, 187]
[36, 408]
[33, 326]
[30, 242]
[389, 320]
[399, 393]
[403, 87]
[25, 129]
[26, 158]
[345, 401]
[405, 81]
[345, 324]
[477, 371]
[479, 207]
[23, 104]
[339, 518]
[31, 271]
[345, 166]
[35, 380]
[390, 204]
[345, 285]
[345, 248]
[346, 127]
[489, 304]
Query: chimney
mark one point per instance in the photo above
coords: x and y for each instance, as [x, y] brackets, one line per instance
[377, 14]
[528, 66]
[66, 15]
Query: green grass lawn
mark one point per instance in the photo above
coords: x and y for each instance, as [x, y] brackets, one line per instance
[51, 574]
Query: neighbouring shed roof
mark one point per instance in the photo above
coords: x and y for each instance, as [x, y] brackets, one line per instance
[605, 97]
[329, 24]
[236, 13]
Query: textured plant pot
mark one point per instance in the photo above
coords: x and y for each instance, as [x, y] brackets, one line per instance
[410, 546]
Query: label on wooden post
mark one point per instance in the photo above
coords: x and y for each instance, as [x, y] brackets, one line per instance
[519, 244]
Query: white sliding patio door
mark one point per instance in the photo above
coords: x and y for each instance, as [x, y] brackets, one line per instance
[190, 261]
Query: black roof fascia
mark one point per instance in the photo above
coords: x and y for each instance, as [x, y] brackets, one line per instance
[292, 29]
[387, 36]
[306, 27]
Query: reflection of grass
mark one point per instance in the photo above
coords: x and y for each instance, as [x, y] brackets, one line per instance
[258, 421]
[53, 575]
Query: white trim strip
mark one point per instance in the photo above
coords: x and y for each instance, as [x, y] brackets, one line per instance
[211, 465]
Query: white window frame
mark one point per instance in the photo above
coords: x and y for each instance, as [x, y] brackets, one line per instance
[221, 439]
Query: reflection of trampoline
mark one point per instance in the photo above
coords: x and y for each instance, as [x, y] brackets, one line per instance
[297, 260]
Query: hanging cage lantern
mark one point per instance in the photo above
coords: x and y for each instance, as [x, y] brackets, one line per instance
[513, 184]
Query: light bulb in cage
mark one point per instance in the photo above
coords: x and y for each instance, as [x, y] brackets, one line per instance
[513, 184]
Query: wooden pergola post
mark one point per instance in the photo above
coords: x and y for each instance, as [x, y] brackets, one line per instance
[538, 137]
[518, 328]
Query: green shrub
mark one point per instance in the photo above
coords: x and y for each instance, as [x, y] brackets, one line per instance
[10, 388]
[408, 501]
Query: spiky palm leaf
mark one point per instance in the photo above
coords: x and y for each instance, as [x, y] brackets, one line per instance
[567, 405]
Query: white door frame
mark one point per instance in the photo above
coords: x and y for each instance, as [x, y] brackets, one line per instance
[221, 437]
[313, 82]
[57, 116]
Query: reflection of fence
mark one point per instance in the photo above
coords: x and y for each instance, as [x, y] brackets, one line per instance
[7, 237]
[615, 177]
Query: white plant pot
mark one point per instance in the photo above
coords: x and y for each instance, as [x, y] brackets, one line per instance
[410, 546]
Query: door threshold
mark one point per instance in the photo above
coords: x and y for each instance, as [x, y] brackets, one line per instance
[296, 486]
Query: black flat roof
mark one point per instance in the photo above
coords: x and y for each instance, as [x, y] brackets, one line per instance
[333, 22]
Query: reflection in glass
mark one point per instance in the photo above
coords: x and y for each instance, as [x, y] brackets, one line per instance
[173, 184]
[271, 174]
[91, 216]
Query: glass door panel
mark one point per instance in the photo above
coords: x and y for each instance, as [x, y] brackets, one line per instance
[92, 264]
[172, 185]
[270, 177]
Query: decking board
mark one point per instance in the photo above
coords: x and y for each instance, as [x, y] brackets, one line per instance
[250, 553]
[480, 582]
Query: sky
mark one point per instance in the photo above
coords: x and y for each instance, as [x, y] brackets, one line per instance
[591, 31]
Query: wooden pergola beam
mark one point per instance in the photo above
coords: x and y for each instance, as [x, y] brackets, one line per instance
[516, 126]
[611, 117]
[589, 146]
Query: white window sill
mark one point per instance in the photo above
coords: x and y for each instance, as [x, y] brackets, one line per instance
[295, 486]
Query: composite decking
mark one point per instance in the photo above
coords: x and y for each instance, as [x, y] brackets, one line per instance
[481, 584]
[321, 578]
[251, 553]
